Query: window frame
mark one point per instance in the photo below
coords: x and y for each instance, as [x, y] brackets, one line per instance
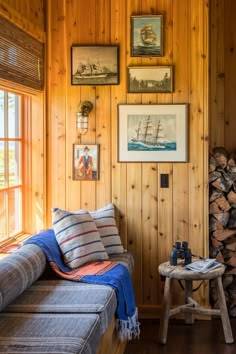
[6, 140]
[26, 165]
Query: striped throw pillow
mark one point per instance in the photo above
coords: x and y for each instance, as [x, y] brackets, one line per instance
[78, 237]
[106, 225]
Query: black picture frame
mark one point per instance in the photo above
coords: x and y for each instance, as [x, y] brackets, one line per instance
[95, 65]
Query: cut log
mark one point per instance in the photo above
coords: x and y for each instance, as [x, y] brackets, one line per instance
[231, 271]
[232, 159]
[222, 185]
[214, 224]
[214, 208]
[223, 203]
[232, 219]
[234, 186]
[212, 163]
[213, 176]
[219, 257]
[214, 194]
[231, 261]
[231, 246]
[221, 156]
[223, 218]
[227, 280]
[215, 243]
[222, 235]
[227, 253]
[231, 197]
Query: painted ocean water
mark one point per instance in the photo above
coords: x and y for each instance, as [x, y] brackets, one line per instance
[134, 146]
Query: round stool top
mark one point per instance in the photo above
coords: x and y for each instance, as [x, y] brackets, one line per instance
[179, 272]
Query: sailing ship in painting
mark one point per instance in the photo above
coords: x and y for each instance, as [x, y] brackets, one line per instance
[148, 36]
[150, 137]
[91, 70]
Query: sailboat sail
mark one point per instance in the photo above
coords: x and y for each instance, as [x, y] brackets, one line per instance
[147, 35]
[149, 135]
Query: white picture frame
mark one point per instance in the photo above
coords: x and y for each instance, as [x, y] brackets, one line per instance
[152, 133]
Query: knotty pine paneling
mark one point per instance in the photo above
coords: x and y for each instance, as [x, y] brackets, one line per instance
[222, 74]
[29, 16]
[151, 218]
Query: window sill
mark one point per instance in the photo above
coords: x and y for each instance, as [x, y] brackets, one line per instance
[9, 246]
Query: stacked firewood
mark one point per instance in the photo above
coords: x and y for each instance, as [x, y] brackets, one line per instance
[222, 222]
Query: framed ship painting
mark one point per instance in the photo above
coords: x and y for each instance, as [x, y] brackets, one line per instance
[150, 79]
[95, 65]
[147, 36]
[153, 133]
[85, 162]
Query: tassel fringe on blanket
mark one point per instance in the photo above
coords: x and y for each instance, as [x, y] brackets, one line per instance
[101, 272]
[128, 329]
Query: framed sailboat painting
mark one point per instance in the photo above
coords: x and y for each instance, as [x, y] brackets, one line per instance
[153, 132]
[147, 36]
[95, 65]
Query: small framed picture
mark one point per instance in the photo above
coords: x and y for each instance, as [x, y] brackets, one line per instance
[150, 79]
[85, 162]
[147, 36]
[95, 65]
[153, 133]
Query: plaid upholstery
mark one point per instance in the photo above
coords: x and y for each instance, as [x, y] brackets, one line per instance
[78, 237]
[106, 225]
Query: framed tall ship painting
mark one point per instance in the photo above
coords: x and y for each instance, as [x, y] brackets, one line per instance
[153, 133]
[147, 36]
[95, 65]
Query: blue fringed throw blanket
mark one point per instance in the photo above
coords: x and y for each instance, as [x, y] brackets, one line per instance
[101, 272]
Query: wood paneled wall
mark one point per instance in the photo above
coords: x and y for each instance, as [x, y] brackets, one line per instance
[222, 74]
[152, 218]
[29, 16]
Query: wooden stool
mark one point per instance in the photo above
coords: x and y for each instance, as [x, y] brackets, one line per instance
[191, 306]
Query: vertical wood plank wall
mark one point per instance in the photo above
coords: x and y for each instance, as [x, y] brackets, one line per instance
[222, 74]
[152, 218]
[29, 16]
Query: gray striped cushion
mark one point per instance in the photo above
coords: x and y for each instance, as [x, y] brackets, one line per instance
[49, 333]
[78, 237]
[106, 224]
[18, 271]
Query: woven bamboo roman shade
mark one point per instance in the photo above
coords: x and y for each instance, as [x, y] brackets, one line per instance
[21, 56]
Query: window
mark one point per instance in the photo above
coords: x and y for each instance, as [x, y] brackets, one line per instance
[11, 157]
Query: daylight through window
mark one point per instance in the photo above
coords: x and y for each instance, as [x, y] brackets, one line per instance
[11, 138]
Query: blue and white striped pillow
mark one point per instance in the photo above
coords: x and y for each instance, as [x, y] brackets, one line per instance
[78, 237]
[106, 224]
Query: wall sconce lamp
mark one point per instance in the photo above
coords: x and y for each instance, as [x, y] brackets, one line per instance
[84, 108]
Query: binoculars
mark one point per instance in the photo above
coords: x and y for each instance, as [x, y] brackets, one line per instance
[180, 251]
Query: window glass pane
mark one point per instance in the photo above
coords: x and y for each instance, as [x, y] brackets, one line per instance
[2, 120]
[13, 116]
[2, 216]
[2, 165]
[14, 163]
[14, 211]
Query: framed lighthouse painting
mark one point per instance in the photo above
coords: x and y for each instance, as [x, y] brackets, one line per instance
[153, 133]
[147, 36]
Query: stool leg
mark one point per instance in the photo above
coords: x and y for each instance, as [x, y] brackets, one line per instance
[224, 313]
[189, 319]
[165, 310]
